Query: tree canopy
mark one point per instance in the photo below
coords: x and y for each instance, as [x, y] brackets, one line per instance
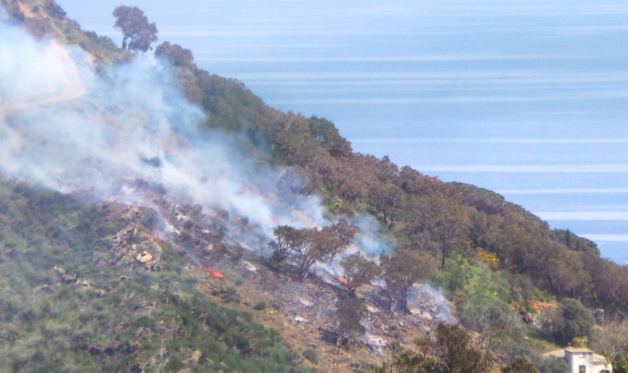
[358, 271]
[310, 245]
[175, 54]
[401, 271]
[138, 33]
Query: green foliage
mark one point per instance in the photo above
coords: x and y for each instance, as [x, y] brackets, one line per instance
[408, 363]
[311, 355]
[419, 211]
[570, 320]
[401, 271]
[620, 363]
[310, 245]
[520, 365]
[358, 271]
[175, 55]
[551, 365]
[578, 319]
[420, 341]
[456, 354]
[259, 306]
[327, 134]
[96, 322]
[575, 243]
[349, 312]
[137, 33]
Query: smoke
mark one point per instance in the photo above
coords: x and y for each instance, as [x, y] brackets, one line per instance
[66, 128]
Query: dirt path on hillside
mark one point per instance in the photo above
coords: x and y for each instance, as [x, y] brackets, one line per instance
[71, 85]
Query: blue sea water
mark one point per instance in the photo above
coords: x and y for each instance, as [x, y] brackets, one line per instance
[526, 98]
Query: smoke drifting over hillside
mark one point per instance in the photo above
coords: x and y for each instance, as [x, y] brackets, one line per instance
[65, 128]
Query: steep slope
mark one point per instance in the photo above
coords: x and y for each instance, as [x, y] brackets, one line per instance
[219, 175]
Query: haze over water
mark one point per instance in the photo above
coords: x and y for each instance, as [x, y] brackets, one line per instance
[526, 98]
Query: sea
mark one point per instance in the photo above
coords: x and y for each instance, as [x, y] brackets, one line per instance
[525, 98]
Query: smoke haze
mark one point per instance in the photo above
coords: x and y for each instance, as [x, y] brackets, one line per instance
[64, 127]
[67, 129]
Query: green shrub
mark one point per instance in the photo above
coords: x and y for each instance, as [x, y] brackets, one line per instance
[311, 355]
[259, 306]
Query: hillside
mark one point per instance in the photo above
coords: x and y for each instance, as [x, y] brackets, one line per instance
[157, 217]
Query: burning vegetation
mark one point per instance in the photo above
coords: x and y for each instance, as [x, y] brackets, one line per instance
[151, 210]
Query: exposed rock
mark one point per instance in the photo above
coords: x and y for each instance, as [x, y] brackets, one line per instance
[144, 257]
[249, 266]
[196, 356]
[65, 277]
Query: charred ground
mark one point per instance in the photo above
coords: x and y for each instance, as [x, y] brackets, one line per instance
[126, 287]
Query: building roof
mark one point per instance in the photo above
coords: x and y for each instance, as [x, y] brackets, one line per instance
[556, 353]
[560, 353]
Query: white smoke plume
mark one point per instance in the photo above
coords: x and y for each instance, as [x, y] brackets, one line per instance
[64, 128]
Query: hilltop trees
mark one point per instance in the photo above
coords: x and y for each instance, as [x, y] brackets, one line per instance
[175, 54]
[138, 33]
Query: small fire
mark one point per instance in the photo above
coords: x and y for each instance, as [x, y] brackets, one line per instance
[342, 280]
[213, 273]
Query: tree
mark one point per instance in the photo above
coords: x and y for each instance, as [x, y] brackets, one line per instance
[408, 362]
[401, 271]
[287, 239]
[578, 319]
[138, 33]
[349, 312]
[327, 134]
[54, 10]
[323, 245]
[520, 365]
[552, 365]
[455, 353]
[388, 200]
[571, 319]
[310, 245]
[612, 341]
[175, 54]
[438, 224]
[358, 271]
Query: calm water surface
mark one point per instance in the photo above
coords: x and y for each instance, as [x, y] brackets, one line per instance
[527, 98]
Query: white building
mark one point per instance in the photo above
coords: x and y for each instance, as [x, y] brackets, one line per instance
[582, 360]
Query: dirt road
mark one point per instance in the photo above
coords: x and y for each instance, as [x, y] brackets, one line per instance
[68, 87]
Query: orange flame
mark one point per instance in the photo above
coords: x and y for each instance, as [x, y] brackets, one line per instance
[342, 280]
[214, 273]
